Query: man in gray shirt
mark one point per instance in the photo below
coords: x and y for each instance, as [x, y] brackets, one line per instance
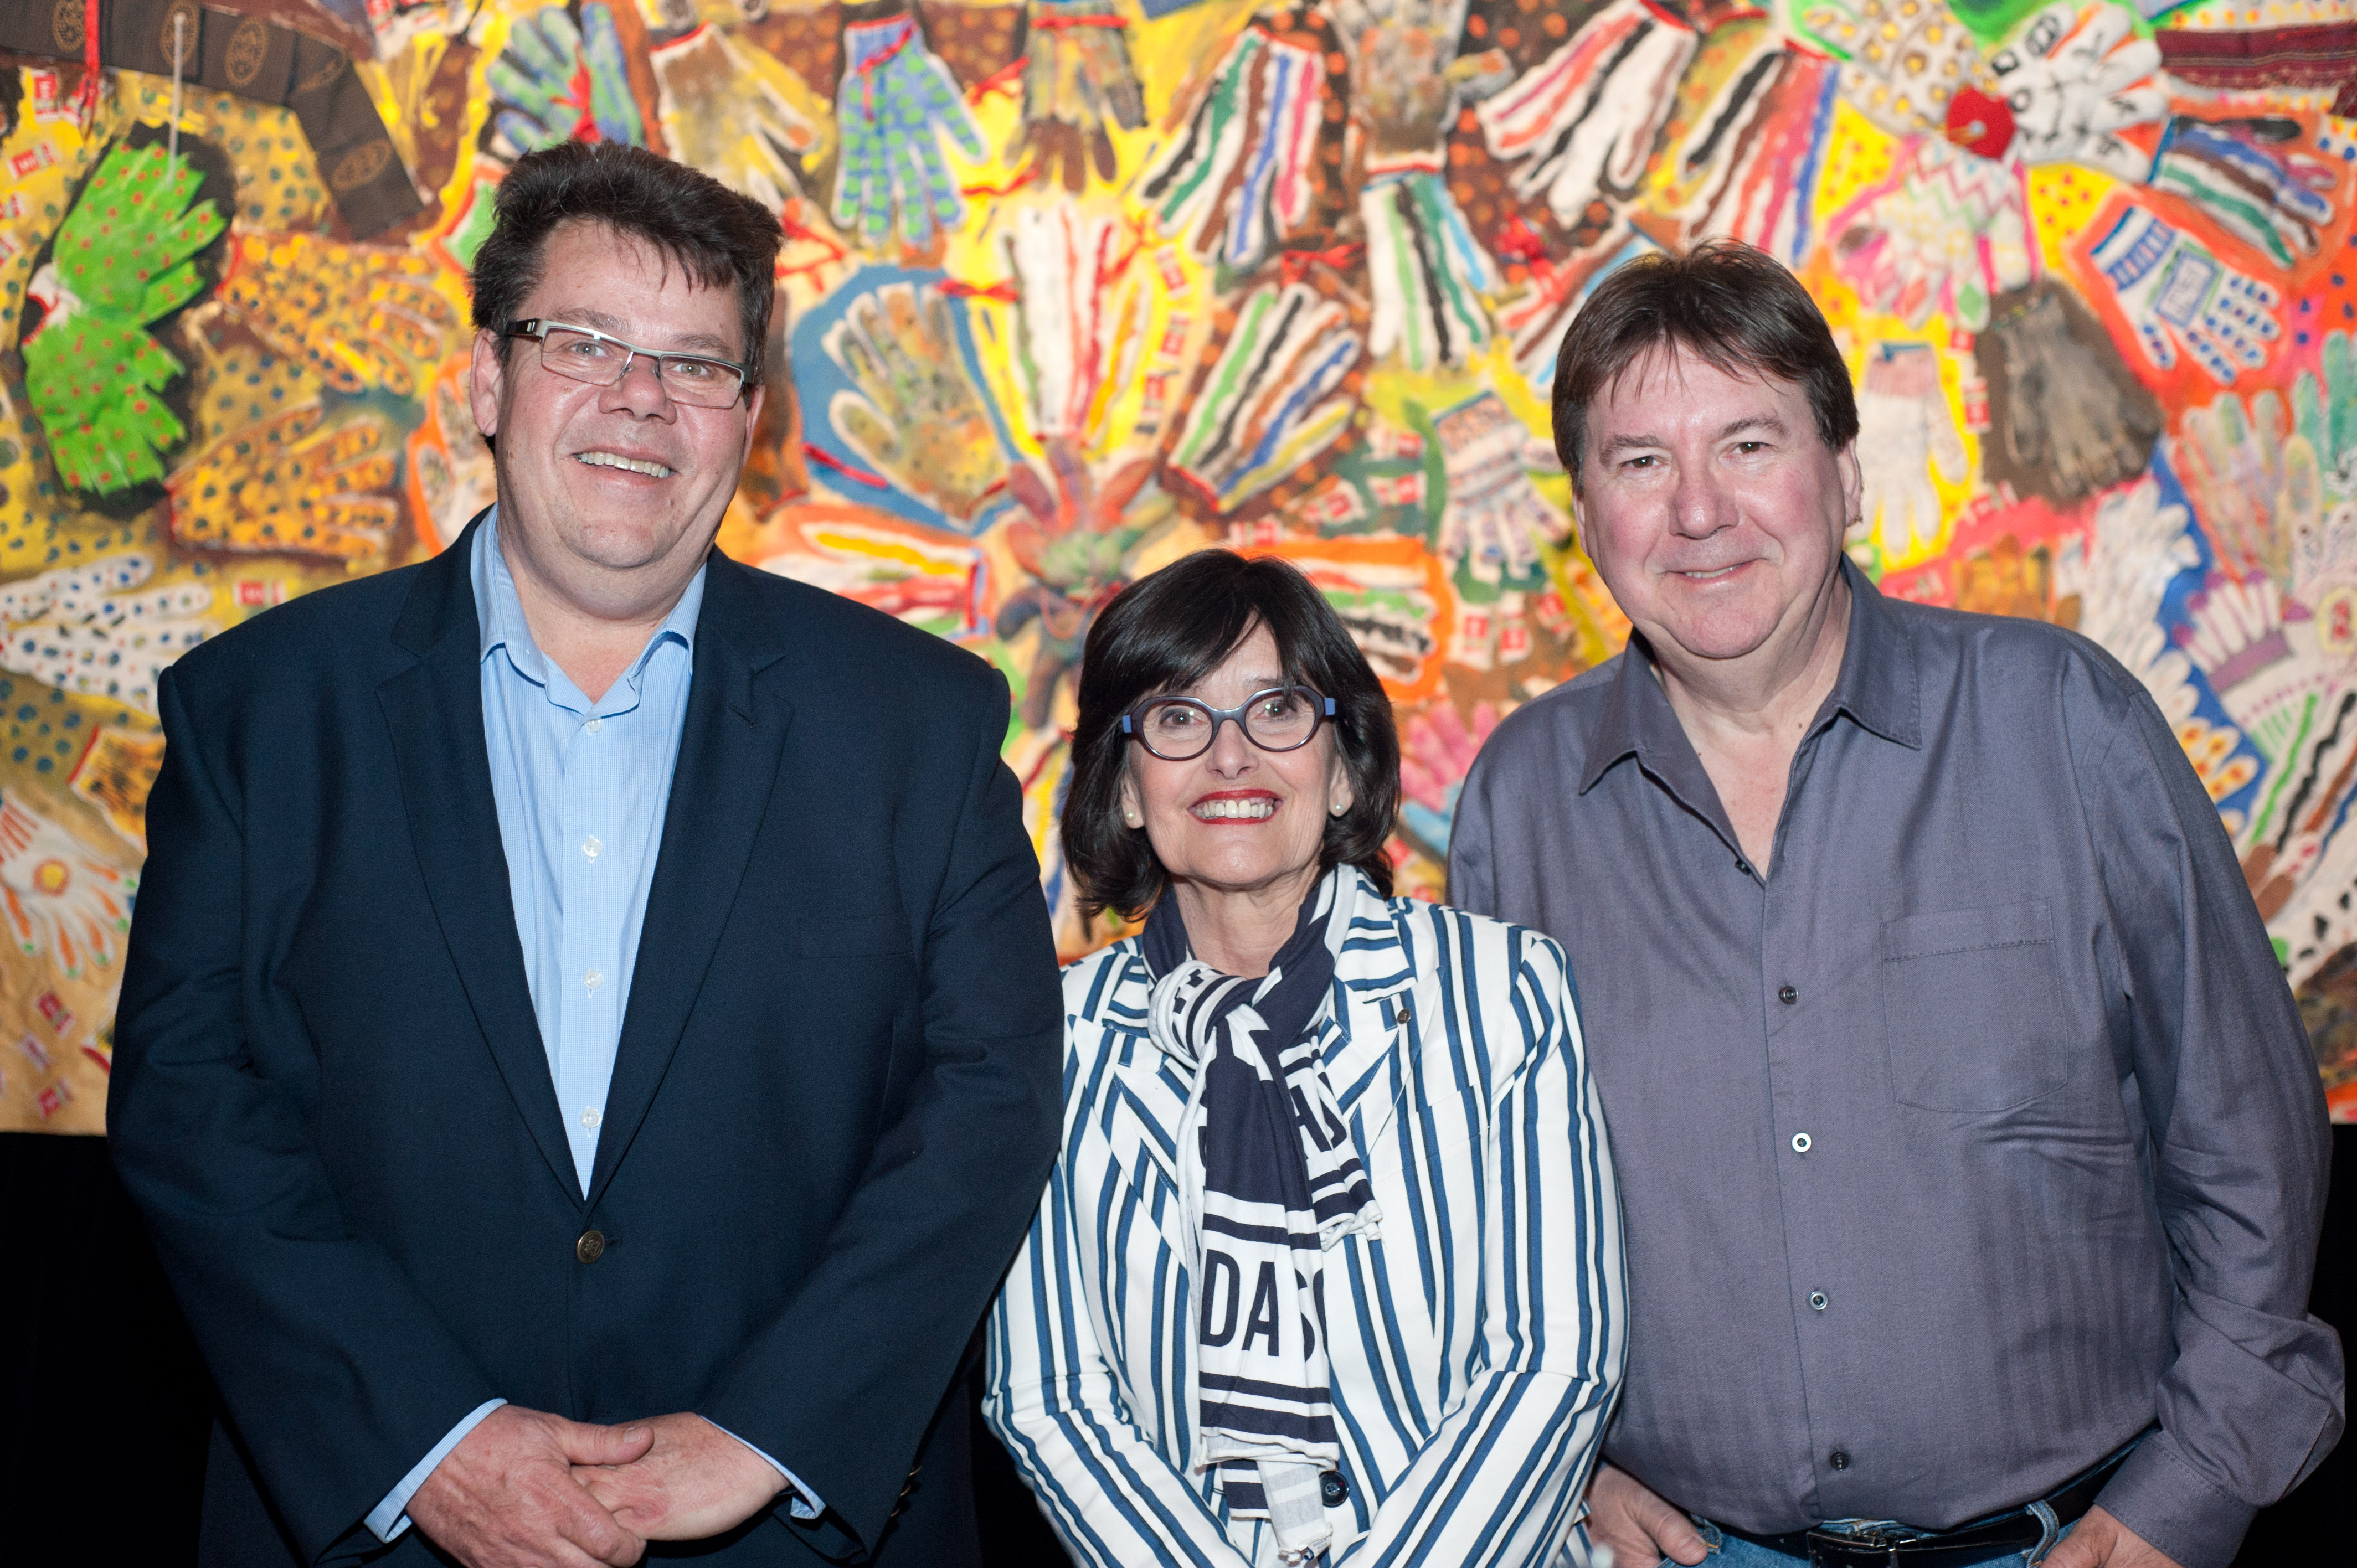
[1971, 1150]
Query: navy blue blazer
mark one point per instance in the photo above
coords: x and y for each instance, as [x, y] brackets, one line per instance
[835, 1102]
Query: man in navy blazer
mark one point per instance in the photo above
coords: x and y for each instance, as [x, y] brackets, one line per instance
[590, 1041]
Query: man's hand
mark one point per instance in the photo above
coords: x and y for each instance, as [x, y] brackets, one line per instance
[695, 1481]
[1639, 1527]
[505, 1498]
[2103, 1542]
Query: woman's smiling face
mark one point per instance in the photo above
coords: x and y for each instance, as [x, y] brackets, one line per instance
[1238, 819]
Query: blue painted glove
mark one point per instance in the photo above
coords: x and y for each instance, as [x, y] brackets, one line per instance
[543, 98]
[896, 103]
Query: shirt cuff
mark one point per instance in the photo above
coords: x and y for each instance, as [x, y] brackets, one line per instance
[805, 1503]
[391, 1516]
[2161, 1498]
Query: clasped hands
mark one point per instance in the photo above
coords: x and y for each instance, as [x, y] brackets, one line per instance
[528, 1489]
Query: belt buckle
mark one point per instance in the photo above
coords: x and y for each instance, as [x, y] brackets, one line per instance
[1859, 1546]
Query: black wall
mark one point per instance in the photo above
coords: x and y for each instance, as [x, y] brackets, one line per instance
[103, 1404]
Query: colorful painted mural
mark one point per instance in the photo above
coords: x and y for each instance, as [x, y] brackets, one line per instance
[1072, 287]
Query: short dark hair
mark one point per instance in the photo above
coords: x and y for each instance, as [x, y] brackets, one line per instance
[1170, 629]
[1733, 307]
[715, 235]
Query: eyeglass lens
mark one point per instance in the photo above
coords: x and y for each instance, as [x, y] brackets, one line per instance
[600, 361]
[1179, 728]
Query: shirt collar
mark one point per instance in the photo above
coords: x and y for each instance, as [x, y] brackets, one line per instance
[500, 613]
[1877, 688]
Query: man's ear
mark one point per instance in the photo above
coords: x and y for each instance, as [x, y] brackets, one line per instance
[1853, 484]
[753, 396]
[486, 380]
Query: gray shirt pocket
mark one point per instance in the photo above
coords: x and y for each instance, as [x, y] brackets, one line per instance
[1970, 1007]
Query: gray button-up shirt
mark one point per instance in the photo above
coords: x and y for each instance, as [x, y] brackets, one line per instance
[1976, 1138]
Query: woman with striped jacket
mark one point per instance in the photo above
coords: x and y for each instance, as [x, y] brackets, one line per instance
[1328, 1270]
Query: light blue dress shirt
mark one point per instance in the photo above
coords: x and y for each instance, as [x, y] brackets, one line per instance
[581, 787]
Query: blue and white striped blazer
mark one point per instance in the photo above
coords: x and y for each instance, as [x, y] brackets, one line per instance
[1478, 1349]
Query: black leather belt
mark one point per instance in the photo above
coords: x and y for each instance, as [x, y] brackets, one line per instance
[1981, 1540]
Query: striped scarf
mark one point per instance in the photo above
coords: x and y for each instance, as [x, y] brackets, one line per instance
[1270, 1180]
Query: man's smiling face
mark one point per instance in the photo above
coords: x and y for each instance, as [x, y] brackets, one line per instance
[596, 481]
[1712, 507]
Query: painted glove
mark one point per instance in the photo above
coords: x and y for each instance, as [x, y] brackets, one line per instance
[2245, 175]
[733, 110]
[2177, 294]
[1426, 271]
[1537, 320]
[59, 898]
[2324, 417]
[1494, 519]
[2253, 482]
[1947, 233]
[1077, 77]
[2074, 81]
[1904, 429]
[1242, 175]
[2067, 419]
[2233, 631]
[1746, 166]
[917, 416]
[360, 316]
[81, 628]
[1066, 264]
[123, 258]
[1583, 122]
[1273, 400]
[895, 104]
[1903, 60]
[1437, 751]
[554, 82]
[290, 486]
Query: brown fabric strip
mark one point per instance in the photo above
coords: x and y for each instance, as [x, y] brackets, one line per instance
[2321, 56]
[253, 58]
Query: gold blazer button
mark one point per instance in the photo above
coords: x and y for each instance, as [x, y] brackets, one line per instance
[591, 1247]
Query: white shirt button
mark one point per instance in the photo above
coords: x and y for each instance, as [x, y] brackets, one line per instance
[594, 725]
[589, 1117]
[590, 848]
[593, 980]
[1800, 1143]
[1817, 1302]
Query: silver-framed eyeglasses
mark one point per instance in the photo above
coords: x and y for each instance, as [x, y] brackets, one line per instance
[583, 354]
[1178, 729]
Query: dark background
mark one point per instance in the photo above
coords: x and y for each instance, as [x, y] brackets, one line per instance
[106, 1405]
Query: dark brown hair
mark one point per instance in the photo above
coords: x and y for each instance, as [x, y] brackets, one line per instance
[1164, 633]
[1735, 308]
[715, 235]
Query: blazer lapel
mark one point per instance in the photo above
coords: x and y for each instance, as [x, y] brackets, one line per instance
[729, 749]
[435, 709]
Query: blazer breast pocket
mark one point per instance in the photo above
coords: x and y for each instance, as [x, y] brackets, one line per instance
[1972, 1007]
[853, 936]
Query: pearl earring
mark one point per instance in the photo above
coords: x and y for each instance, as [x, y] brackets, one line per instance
[1130, 816]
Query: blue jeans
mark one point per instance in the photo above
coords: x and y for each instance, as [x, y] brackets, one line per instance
[1734, 1551]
